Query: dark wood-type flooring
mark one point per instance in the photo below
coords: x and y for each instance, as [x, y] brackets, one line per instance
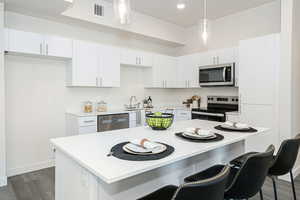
[39, 185]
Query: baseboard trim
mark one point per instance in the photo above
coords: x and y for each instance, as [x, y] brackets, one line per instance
[3, 181]
[30, 168]
[296, 172]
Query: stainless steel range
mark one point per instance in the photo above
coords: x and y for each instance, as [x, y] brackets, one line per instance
[217, 106]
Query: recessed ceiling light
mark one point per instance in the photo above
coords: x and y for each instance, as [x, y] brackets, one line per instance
[181, 6]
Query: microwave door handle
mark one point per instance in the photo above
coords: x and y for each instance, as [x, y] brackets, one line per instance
[224, 74]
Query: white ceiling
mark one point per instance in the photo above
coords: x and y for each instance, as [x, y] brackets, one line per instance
[162, 9]
[166, 9]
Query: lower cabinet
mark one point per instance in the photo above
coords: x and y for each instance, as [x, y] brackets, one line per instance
[73, 181]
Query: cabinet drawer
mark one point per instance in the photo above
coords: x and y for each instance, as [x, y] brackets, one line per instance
[183, 113]
[87, 129]
[87, 121]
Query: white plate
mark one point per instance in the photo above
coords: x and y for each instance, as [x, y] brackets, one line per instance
[234, 128]
[196, 136]
[137, 150]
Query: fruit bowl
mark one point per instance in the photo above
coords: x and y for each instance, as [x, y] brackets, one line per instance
[159, 121]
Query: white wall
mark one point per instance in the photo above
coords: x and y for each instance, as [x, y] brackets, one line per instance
[2, 102]
[229, 30]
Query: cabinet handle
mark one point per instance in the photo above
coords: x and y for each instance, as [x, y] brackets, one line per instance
[97, 82]
[140, 60]
[89, 121]
[137, 60]
[101, 82]
[41, 48]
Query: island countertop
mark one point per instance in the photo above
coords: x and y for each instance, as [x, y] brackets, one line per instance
[90, 151]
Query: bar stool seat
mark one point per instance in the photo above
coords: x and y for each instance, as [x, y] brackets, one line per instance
[211, 188]
[246, 181]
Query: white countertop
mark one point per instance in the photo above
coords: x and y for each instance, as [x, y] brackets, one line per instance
[110, 112]
[90, 151]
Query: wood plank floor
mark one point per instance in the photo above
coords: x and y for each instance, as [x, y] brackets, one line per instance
[39, 185]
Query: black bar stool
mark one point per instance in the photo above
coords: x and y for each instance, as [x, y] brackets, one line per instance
[246, 181]
[209, 189]
[284, 162]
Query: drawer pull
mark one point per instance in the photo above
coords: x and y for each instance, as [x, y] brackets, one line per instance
[90, 121]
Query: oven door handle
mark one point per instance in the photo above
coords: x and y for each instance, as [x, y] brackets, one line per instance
[208, 114]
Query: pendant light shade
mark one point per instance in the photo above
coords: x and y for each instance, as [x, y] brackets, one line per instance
[122, 11]
[204, 25]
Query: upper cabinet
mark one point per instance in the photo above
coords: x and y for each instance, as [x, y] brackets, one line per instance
[216, 57]
[58, 47]
[136, 58]
[188, 71]
[163, 74]
[37, 44]
[94, 66]
[24, 42]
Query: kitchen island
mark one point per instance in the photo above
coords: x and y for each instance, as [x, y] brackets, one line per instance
[84, 171]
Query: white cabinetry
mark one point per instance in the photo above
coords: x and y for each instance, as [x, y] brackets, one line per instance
[94, 66]
[181, 115]
[37, 44]
[163, 74]
[80, 125]
[258, 70]
[136, 58]
[58, 46]
[188, 71]
[221, 56]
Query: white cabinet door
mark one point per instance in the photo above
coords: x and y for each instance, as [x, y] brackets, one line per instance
[109, 74]
[260, 116]
[136, 58]
[129, 57]
[24, 42]
[188, 71]
[164, 72]
[85, 64]
[58, 47]
[258, 65]
[228, 55]
[145, 59]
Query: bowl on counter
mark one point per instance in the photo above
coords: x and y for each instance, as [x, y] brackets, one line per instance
[159, 121]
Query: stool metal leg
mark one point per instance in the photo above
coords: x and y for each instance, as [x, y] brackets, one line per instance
[293, 185]
[274, 187]
[261, 194]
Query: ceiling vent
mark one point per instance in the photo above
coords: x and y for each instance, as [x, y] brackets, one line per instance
[98, 10]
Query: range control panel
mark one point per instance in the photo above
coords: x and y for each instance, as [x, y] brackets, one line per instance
[223, 99]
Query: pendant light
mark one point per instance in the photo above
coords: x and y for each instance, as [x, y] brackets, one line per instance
[181, 4]
[122, 11]
[204, 25]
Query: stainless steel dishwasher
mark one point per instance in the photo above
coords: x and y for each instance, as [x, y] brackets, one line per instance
[113, 122]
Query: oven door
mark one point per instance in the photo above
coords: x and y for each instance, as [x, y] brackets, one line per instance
[221, 75]
[218, 117]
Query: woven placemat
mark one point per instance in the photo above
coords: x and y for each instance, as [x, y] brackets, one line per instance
[118, 152]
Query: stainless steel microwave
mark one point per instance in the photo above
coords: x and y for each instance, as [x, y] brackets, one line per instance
[217, 75]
